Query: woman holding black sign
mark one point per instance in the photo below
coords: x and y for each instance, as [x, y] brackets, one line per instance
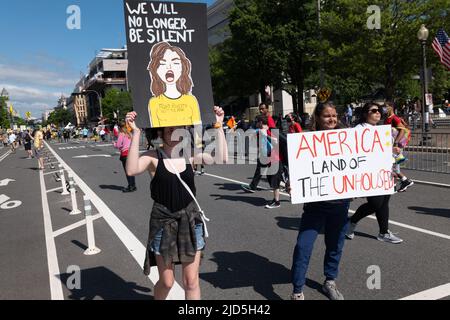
[332, 216]
[177, 224]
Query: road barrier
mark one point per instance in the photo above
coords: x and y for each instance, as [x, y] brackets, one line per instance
[92, 249]
[63, 181]
[73, 195]
[428, 151]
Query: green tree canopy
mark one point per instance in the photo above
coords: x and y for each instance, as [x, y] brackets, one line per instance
[4, 116]
[60, 117]
[387, 57]
[116, 101]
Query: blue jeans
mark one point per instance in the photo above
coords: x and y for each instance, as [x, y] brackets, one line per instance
[333, 217]
[198, 234]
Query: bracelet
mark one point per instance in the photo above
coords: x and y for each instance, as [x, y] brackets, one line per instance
[217, 125]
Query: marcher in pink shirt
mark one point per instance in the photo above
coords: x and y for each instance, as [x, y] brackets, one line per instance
[123, 144]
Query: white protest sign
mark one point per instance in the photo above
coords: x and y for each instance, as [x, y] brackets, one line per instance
[340, 164]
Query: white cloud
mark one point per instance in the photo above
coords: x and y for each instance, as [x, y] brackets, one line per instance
[31, 99]
[29, 75]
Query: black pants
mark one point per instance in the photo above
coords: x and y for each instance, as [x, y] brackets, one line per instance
[131, 180]
[378, 205]
[256, 176]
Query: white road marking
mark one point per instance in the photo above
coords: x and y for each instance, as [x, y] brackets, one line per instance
[436, 234]
[133, 245]
[5, 182]
[74, 226]
[52, 172]
[433, 183]
[3, 157]
[52, 259]
[431, 294]
[103, 145]
[93, 156]
[53, 190]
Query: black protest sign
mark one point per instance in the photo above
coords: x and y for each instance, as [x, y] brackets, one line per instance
[168, 67]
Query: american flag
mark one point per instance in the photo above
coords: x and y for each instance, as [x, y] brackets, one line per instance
[441, 45]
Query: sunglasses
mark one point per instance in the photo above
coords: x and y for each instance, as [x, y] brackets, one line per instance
[374, 111]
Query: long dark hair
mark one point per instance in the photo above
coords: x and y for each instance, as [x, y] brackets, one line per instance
[364, 112]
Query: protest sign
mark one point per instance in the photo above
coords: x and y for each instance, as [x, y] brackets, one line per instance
[168, 66]
[340, 164]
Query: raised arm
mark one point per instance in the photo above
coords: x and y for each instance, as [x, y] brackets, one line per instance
[135, 164]
[221, 150]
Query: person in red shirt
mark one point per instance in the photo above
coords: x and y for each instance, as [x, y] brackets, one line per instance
[264, 110]
[294, 126]
[401, 140]
[253, 186]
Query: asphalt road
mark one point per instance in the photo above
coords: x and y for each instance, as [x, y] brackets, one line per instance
[249, 252]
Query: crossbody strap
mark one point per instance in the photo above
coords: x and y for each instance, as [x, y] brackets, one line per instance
[202, 213]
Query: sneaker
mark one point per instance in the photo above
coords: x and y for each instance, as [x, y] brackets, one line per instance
[331, 291]
[247, 188]
[350, 234]
[274, 204]
[405, 185]
[297, 296]
[389, 237]
[129, 189]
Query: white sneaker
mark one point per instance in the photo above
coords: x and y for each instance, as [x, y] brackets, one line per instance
[298, 296]
[389, 237]
[350, 234]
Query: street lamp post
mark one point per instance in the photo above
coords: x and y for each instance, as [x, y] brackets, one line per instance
[422, 35]
[99, 101]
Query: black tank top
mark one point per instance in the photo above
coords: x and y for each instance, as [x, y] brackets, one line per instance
[167, 190]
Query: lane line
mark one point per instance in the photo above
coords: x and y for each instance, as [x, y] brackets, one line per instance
[53, 190]
[74, 226]
[52, 258]
[131, 242]
[403, 225]
[3, 157]
[52, 172]
[435, 184]
[431, 294]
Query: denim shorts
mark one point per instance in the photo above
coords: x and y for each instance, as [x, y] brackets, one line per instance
[156, 243]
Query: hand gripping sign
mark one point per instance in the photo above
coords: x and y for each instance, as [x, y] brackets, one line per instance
[340, 164]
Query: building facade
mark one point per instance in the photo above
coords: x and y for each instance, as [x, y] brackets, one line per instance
[108, 70]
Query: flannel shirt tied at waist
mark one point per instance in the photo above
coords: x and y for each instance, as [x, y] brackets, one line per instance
[179, 242]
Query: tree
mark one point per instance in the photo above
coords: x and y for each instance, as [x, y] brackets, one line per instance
[60, 117]
[272, 43]
[385, 57]
[4, 116]
[253, 62]
[296, 44]
[116, 101]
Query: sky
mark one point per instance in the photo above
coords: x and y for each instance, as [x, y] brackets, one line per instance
[41, 59]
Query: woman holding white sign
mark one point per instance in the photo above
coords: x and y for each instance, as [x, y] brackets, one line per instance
[177, 223]
[330, 215]
[371, 116]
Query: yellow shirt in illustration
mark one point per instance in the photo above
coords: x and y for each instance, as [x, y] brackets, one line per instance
[166, 112]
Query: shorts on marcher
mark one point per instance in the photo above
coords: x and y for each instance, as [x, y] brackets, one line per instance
[275, 179]
[27, 146]
[199, 235]
[37, 154]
